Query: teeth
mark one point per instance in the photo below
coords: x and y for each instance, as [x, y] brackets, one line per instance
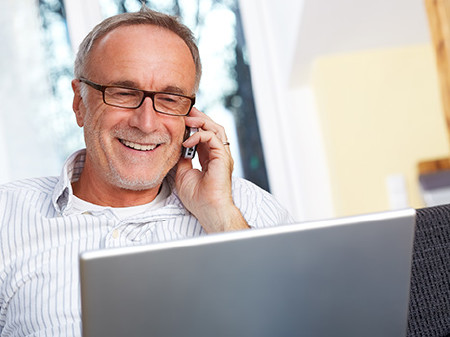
[137, 146]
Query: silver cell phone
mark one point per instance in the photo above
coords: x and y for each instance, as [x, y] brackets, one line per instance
[189, 152]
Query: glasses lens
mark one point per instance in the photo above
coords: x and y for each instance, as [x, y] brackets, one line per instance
[122, 97]
[172, 104]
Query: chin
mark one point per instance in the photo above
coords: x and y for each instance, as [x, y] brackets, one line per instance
[137, 177]
[138, 185]
[134, 183]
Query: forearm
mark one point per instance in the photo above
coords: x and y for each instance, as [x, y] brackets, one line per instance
[223, 219]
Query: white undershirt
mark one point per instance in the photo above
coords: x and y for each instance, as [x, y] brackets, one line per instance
[124, 212]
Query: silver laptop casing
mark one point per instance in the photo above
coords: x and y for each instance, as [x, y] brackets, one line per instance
[340, 277]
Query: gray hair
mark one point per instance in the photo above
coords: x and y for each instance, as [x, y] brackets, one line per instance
[144, 16]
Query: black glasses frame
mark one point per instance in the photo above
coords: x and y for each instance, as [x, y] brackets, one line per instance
[151, 94]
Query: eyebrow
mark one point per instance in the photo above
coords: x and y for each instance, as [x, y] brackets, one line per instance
[132, 85]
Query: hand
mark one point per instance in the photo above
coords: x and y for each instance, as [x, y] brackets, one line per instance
[207, 193]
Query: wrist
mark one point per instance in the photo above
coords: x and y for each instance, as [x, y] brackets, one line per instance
[223, 219]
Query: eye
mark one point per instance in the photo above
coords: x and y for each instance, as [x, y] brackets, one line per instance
[121, 93]
[125, 93]
[168, 99]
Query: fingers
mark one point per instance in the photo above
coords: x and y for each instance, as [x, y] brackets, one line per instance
[209, 146]
[208, 137]
[211, 142]
[199, 120]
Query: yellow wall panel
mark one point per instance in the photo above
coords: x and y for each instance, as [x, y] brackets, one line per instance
[381, 114]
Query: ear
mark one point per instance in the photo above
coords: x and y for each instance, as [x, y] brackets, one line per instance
[78, 104]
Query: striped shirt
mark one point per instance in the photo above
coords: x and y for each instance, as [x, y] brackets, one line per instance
[42, 235]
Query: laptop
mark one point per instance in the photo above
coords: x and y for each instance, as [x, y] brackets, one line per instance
[339, 277]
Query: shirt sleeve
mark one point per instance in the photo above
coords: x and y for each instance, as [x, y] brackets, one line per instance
[259, 208]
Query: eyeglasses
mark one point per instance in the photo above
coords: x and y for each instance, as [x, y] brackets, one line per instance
[130, 98]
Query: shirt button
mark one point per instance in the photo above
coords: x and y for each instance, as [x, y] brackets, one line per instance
[115, 234]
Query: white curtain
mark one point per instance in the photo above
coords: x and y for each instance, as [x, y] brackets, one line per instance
[26, 148]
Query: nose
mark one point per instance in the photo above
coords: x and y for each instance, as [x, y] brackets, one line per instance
[145, 117]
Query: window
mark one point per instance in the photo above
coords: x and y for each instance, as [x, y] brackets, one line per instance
[59, 63]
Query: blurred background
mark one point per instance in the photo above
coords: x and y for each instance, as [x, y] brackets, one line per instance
[329, 105]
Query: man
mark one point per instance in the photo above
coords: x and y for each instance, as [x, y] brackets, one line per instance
[136, 79]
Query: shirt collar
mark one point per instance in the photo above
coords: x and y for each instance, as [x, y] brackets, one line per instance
[62, 197]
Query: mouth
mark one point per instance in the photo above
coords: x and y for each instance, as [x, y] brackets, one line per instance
[137, 146]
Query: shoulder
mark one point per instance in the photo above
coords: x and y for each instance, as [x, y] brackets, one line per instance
[241, 183]
[24, 199]
[27, 189]
[43, 184]
[259, 207]
[243, 189]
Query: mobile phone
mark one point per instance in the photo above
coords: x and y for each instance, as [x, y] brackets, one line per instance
[189, 152]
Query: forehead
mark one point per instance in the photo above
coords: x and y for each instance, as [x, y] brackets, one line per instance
[143, 52]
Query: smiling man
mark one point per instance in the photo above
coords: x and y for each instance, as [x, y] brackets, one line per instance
[136, 76]
[130, 151]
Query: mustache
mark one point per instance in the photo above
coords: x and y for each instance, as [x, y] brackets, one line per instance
[137, 136]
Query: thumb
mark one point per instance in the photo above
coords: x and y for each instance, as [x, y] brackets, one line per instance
[184, 165]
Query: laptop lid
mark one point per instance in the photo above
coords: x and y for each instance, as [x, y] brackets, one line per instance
[340, 277]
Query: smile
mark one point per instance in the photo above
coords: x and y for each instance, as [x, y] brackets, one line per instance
[136, 146]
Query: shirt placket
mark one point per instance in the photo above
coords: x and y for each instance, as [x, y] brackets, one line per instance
[133, 230]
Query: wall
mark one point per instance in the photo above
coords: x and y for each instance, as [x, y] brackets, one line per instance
[380, 114]
[310, 168]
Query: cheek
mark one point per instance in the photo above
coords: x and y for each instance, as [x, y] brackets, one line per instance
[95, 127]
[101, 119]
[176, 129]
